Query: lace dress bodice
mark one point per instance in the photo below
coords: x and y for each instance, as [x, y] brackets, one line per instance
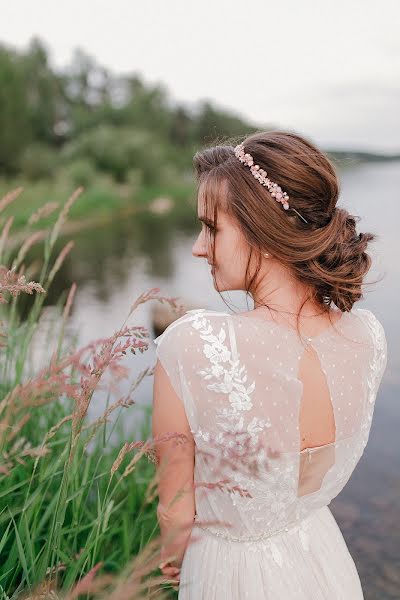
[237, 378]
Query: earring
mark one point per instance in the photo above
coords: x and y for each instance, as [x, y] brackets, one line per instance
[266, 254]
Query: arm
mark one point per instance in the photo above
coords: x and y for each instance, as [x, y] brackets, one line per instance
[175, 468]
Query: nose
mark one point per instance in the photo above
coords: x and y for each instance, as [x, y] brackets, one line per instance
[199, 248]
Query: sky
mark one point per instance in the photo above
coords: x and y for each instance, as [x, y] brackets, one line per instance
[329, 70]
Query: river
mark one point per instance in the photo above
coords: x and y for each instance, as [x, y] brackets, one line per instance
[113, 264]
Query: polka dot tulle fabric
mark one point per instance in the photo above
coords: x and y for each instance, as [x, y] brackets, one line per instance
[269, 533]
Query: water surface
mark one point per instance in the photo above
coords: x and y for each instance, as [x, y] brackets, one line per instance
[114, 264]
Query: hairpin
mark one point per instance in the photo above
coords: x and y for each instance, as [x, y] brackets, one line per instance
[274, 189]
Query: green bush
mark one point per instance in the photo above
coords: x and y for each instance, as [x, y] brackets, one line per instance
[38, 161]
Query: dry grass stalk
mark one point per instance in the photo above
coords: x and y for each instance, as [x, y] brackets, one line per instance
[70, 299]
[33, 239]
[4, 234]
[14, 283]
[9, 198]
[60, 259]
[63, 215]
[42, 212]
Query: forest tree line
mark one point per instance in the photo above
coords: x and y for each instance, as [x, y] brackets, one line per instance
[95, 121]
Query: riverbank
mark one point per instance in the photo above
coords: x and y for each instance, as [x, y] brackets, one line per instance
[94, 207]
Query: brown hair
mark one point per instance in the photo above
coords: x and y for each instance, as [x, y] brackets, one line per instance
[326, 254]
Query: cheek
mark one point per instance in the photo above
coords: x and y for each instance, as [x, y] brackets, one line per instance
[240, 254]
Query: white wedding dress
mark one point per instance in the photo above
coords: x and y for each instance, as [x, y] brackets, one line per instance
[237, 379]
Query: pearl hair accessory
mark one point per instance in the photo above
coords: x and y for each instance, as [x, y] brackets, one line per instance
[274, 189]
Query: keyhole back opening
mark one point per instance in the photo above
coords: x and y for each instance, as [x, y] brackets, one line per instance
[317, 425]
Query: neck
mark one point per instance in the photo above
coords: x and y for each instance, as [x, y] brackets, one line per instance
[284, 295]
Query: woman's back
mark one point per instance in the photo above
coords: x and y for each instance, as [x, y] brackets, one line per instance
[285, 425]
[279, 429]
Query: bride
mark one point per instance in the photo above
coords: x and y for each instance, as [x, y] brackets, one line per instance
[273, 405]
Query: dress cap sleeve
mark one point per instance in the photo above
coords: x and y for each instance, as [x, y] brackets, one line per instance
[173, 350]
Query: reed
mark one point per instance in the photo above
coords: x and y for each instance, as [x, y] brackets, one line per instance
[78, 510]
[76, 515]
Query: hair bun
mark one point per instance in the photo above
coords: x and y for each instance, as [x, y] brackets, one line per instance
[344, 262]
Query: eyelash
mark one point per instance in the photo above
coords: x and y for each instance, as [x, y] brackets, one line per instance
[210, 227]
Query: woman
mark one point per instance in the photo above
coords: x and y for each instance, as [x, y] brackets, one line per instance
[275, 404]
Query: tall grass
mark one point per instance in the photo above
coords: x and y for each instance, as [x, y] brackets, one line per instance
[77, 510]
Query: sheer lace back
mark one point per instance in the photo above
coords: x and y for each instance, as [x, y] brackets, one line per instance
[304, 414]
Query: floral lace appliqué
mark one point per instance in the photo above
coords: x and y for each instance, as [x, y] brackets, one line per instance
[227, 376]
